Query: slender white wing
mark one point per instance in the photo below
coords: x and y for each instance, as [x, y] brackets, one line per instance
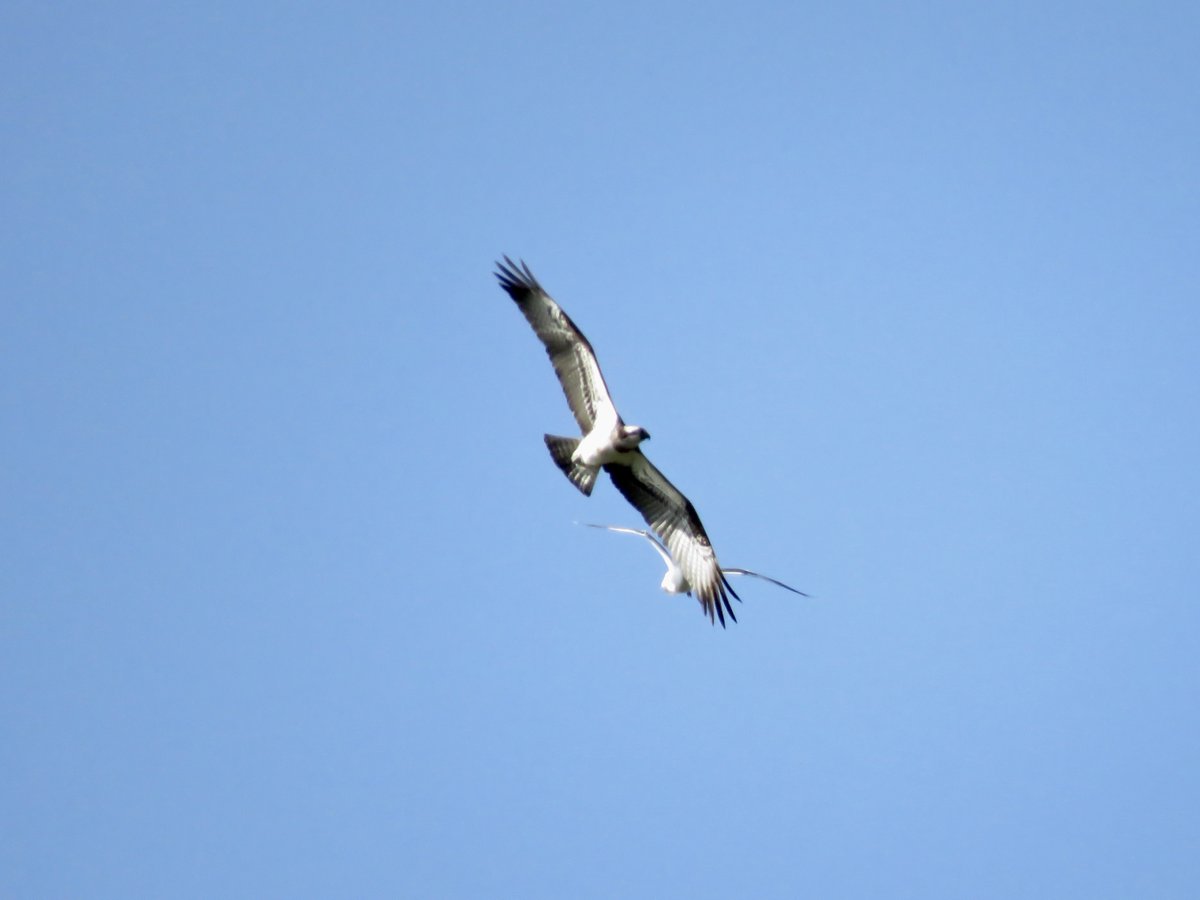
[786, 587]
[573, 358]
[673, 518]
[653, 541]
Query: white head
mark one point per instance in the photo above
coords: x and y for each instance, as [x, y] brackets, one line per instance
[630, 436]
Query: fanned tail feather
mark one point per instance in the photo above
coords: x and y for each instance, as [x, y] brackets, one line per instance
[561, 449]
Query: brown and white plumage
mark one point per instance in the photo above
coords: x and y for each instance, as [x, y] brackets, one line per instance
[606, 437]
[673, 518]
[609, 443]
[573, 358]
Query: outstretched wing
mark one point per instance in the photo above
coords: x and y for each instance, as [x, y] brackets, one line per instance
[786, 587]
[674, 519]
[573, 358]
[653, 541]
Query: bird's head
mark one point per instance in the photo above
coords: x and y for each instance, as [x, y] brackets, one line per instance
[632, 435]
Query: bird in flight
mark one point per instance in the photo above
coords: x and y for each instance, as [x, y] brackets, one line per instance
[675, 581]
[608, 443]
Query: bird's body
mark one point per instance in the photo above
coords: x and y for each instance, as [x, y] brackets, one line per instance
[608, 443]
[606, 438]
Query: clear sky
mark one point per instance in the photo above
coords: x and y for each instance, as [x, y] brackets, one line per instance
[908, 296]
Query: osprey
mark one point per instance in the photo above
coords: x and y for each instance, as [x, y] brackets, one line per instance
[608, 443]
[675, 582]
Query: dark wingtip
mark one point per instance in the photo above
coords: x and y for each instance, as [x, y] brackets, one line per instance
[516, 278]
[728, 608]
[718, 607]
[729, 586]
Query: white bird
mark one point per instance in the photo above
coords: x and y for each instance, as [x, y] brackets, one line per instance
[675, 581]
[608, 443]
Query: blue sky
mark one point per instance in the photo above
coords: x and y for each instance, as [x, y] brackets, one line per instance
[293, 605]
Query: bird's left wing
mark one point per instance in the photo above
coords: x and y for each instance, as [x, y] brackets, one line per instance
[574, 360]
[674, 519]
[651, 539]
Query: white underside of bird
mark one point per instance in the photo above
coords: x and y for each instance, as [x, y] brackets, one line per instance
[604, 444]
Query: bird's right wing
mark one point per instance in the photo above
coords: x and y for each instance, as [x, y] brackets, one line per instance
[786, 587]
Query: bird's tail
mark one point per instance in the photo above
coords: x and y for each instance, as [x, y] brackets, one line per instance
[561, 450]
